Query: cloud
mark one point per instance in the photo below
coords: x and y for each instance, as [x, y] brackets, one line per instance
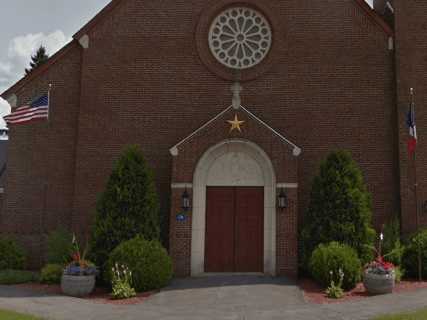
[25, 46]
[6, 68]
[4, 110]
[20, 50]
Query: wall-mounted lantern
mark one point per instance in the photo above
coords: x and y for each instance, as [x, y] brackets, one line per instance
[425, 207]
[282, 200]
[186, 201]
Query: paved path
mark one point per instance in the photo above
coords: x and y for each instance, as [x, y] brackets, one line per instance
[212, 298]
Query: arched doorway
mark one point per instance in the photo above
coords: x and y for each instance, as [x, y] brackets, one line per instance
[234, 181]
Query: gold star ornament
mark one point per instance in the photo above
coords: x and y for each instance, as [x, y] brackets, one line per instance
[236, 124]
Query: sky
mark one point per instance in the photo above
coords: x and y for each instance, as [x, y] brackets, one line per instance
[27, 24]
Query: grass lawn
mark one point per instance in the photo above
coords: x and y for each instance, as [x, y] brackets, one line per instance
[420, 315]
[8, 315]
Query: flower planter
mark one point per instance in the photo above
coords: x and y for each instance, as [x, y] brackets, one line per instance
[379, 283]
[77, 286]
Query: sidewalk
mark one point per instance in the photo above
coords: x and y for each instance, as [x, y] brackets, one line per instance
[236, 298]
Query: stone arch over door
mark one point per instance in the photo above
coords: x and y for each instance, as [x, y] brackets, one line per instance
[236, 163]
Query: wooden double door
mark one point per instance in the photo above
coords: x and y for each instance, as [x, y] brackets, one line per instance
[234, 229]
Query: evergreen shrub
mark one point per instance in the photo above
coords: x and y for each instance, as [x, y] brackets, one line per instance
[410, 256]
[128, 207]
[12, 256]
[328, 259]
[339, 208]
[148, 261]
[59, 247]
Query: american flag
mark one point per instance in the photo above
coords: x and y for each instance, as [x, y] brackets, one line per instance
[38, 109]
[412, 142]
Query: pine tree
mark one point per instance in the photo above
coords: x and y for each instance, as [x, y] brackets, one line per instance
[128, 207]
[340, 208]
[37, 59]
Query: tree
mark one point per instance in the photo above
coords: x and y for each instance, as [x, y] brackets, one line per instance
[39, 58]
[340, 208]
[128, 207]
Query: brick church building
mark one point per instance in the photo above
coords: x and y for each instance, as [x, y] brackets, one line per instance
[234, 102]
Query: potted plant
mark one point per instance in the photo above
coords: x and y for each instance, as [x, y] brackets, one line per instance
[79, 276]
[379, 276]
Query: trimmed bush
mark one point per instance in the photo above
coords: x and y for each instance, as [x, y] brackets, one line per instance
[128, 207]
[51, 273]
[148, 261]
[328, 259]
[410, 256]
[59, 247]
[339, 209]
[9, 277]
[12, 256]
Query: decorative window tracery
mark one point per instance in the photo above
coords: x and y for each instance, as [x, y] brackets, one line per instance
[240, 37]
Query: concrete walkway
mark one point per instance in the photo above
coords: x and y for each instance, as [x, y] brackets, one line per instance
[212, 298]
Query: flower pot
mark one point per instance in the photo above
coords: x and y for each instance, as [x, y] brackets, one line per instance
[77, 286]
[379, 283]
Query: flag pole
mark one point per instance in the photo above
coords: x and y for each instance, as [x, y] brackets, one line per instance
[46, 183]
[48, 103]
[417, 211]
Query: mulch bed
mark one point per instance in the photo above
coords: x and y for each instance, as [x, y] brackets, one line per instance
[313, 293]
[100, 295]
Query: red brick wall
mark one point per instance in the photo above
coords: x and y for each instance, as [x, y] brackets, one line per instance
[287, 236]
[328, 83]
[40, 170]
[411, 65]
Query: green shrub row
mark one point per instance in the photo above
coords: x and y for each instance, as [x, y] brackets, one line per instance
[8, 277]
[339, 221]
[12, 256]
[415, 244]
[126, 230]
[327, 259]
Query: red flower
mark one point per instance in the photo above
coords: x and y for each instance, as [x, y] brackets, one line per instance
[76, 256]
[380, 262]
[387, 266]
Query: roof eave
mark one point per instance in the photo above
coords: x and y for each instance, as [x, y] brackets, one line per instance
[376, 18]
[95, 20]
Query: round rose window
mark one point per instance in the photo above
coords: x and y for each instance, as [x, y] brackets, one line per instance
[240, 38]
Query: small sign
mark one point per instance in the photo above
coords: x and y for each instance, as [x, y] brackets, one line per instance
[181, 217]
